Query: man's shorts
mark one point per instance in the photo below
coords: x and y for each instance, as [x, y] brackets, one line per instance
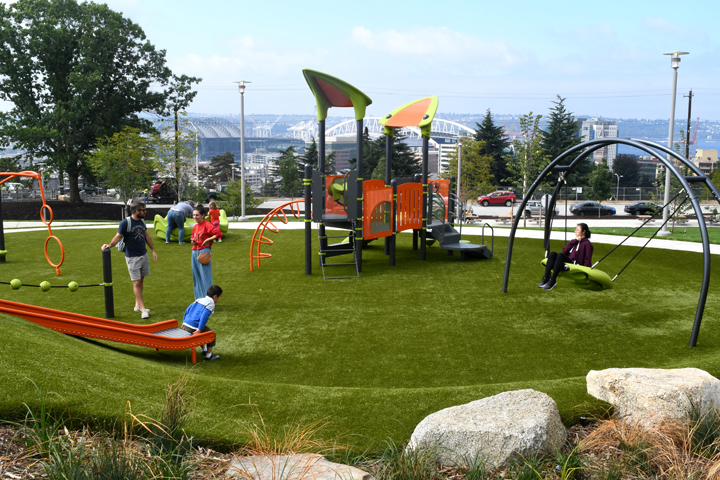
[138, 267]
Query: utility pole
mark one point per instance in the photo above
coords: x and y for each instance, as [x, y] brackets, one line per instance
[687, 134]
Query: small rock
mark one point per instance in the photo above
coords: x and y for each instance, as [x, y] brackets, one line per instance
[498, 429]
[650, 396]
[292, 467]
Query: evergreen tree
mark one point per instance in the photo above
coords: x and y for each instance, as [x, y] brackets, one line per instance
[311, 156]
[287, 168]
[495, 146]
[600, 184]
[561, 134]
[221, 167]
[404, 162]
[628, 168]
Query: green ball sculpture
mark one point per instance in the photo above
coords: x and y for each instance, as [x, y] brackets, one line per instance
[15, 284]
[45, 286]
[73, 286]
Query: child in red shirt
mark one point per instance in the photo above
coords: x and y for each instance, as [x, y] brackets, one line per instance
[214, 213]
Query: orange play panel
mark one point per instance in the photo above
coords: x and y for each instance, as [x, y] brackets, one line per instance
[411, 116]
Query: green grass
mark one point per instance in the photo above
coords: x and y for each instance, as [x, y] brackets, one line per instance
[373, 355]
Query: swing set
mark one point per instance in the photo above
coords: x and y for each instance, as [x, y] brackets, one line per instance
[591, 278]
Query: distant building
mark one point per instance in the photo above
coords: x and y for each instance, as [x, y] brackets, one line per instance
[345, 148]
[705, 159]
[595, 128]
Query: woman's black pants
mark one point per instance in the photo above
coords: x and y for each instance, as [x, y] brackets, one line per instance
[556, 261]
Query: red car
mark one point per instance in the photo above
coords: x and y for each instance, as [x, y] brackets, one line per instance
[497, 198]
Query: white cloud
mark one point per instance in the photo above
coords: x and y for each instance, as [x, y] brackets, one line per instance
[664, 27]
[437, 43]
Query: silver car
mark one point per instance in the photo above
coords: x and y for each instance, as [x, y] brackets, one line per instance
[534, 207]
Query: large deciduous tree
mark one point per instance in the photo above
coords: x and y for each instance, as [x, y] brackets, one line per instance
[74, 73]
[495, 145]
[628, 168]
[476, 170]
[526, 162]
[600, 184]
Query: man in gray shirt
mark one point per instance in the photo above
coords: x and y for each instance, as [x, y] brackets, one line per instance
[176, 219]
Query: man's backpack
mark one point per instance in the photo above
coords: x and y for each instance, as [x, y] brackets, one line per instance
[121, 244]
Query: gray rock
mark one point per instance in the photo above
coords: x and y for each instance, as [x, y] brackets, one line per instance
[651, 396]
[498, 429]
[292, 467]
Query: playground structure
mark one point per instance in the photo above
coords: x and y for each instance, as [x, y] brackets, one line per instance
[374, 209]
[162, 335]
[664, 155]
[160, 227]
[46, 215]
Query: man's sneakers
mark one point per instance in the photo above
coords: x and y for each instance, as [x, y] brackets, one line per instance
[550, 284]
[211, 356]
[542, 282]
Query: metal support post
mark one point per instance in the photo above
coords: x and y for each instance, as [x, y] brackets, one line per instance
[107, 281]
[359, 224]
[393, 237]
[308, 219]
[423, 230]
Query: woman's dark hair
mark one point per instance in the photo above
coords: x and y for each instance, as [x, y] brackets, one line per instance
[199, 207]
[585, 228]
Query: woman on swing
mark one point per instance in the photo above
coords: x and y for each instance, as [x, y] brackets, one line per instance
[578, 251]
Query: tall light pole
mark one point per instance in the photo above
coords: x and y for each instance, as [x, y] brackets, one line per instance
[674, 63]
[459, 212]
[241, 89]
[197, 146]
[617, 192]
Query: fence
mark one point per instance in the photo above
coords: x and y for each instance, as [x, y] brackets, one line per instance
[622, 194]
[34, 195]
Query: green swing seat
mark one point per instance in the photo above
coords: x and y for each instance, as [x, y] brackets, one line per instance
[584, 277]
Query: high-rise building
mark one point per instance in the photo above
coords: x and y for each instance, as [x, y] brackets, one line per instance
[595, 128]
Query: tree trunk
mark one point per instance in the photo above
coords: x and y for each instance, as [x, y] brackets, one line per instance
[74, 188]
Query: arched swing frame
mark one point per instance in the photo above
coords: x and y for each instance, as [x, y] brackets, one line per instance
[654, 149]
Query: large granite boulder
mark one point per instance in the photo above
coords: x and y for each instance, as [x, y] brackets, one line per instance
[292, 467]
[498, 429]
[651, 396]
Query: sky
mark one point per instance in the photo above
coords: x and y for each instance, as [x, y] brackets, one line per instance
[512, 57]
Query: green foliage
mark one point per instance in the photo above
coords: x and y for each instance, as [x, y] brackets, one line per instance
[476, 170]
[231, 200]
[629, 169]
[311, 156]
[221, 167]
[568, 464]
[704, 430]
[495, 145]
[562, 132]
[530, 468]
[600, 184]
[74, 73]
[176, 148]
[404, 162]
[288, 169]
[196, 194]
[399, 463]
[527, 161]
[124, 161]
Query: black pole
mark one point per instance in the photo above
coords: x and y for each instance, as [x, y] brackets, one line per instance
[451, 203]
[308, 219]
[423, 230]
[359, 224]
[393, 238]
[687, 134]
[107, 281]
[321, 168]
[416, 178]
[388, 175]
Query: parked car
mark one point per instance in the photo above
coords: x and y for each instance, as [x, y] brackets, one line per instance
[12, 186]
[534, 207]
[591, 208]
[642, 208]
[500, 197]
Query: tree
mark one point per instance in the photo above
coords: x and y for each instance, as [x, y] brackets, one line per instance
[231, 200]
[124, 162]
[180, 95]
[221, 167]
[526, 163]
[311, 156]
[495, 146]
[176, 150]
[476, 170]
[561, 134]
[600, 184]
[74, 73]
[628, 168]
[287, 168]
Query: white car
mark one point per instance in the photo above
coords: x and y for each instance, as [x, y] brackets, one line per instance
[12, 186]
[534, 207]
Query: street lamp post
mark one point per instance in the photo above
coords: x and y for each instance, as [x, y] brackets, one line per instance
[241, 89]
[617, 192]
[459, 212]
[674, 63]
[197, 146]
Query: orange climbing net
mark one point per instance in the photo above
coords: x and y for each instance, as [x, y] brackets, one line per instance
[35, 175]
[259, 239]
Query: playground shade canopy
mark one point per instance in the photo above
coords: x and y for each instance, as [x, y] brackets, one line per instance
[330, 91]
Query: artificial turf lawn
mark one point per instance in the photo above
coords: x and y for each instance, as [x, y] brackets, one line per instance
[372, 355]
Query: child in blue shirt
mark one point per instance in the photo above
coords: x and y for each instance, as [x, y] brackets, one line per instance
[197, 315]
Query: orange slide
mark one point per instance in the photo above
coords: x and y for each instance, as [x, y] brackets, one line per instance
[163, 335]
